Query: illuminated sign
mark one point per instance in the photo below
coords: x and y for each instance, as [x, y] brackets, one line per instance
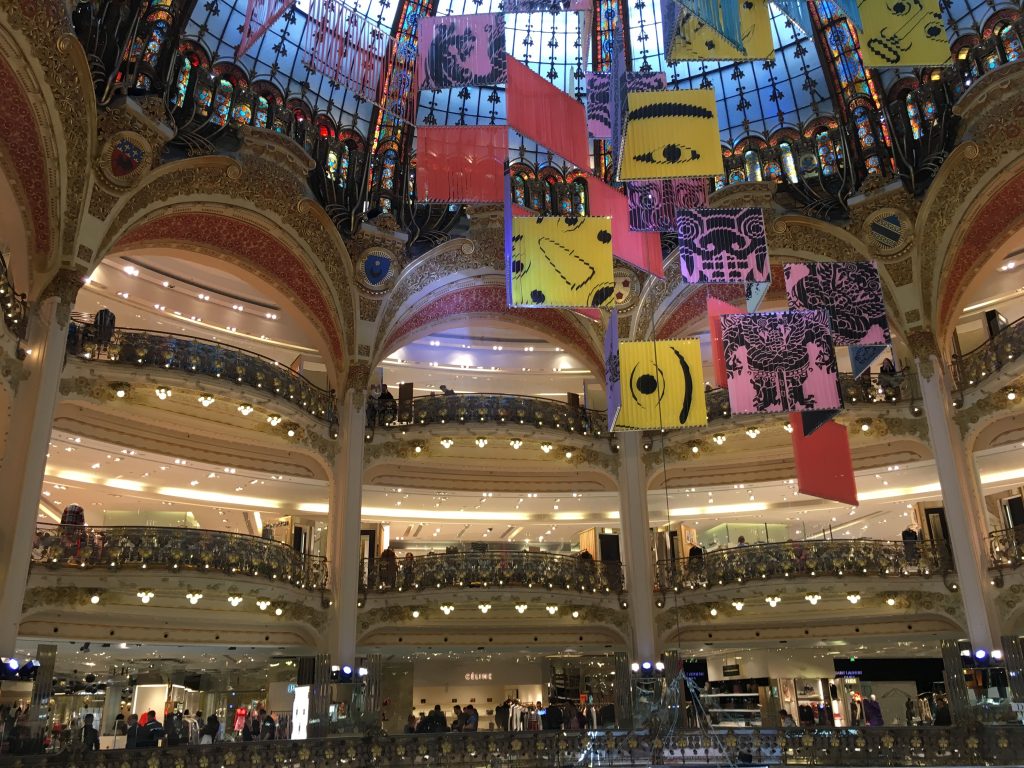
[479, 676]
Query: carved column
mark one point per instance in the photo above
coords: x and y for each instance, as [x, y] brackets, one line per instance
[638, 559]
[964, 505]
[24, 462]
[343, 530]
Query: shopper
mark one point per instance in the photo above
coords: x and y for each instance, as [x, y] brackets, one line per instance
[90, 736]
[942, 714]
[410, 724]
[247, 729]
[439, 723]
[209, 733]
[153, 731]
[741, 541]
[132, 732]
[787, 719]
[268, 728]
[472, 722]
[459, 720]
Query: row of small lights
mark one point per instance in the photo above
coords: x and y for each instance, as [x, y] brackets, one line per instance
[448, 609]
[515, 443]
[194, 596]
[132, 271]
[813, 598]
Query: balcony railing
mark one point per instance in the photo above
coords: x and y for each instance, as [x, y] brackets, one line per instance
[975, 366]
[796, 559]
[920, 746]
[1006, 547]
[176, 550]
[523, 570]
[12, 304]
[129, 346]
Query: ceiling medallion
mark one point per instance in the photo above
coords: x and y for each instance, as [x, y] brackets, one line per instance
[627, 288]
[888, 231]
[124, 158]
[377, 270]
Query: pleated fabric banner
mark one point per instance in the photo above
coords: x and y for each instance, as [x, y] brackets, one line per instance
[723, 245]
[653, 204]
[669, 134]
[662, 385]
[717, 308]
[903, 34]
[612, 383]
[851, 292]
[780, 362]
[723, 16]
[797, 12]
[456, 51]
[824, 466]
[551, 6]
[461, 164]
[599, 100]
[561, 262]
[622, 85]
[641, 249]
[546, 114]
[695, 40]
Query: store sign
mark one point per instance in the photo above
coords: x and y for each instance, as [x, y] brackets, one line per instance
[479, 676]
[730, 670]
[852, 673]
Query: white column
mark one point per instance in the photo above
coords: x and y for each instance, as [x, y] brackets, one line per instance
[964, 506]
[24, 463]
[636, 545]
[343, 530]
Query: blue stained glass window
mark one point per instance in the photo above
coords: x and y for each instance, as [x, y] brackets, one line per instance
[222, 101]
[181, 83]
[788, 163]
[914, 117]
[262, 112]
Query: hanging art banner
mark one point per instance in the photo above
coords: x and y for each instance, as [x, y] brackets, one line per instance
[722, 16]
[780, 362]
[797, 12]
[612, 384]
[641, 249]
[546, 114]
[670, 134]
[653, 204]
[624, 83]
[851, 292]
[824, 466]
[551, 6]
[456, 51]
[903, 34]
[561, 262]
[717, 308]
[461, 164]
[662, 385]
[695, 40]
[723, 245]
[599, 96]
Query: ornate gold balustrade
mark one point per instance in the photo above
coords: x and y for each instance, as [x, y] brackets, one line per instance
[178, 550]
[972, 368]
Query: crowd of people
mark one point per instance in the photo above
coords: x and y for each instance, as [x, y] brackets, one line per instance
[146, 731]
[435, 721]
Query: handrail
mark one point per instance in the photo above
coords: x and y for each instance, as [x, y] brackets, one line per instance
[971, 368]
[191, 354]
[793, 559]
[494, 569]
[176, 550]
[1006, 547]
[13, 305]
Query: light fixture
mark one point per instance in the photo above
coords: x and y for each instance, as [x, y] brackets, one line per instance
[812, 598]
[1011, 394]
[263, 604]
[646, 666]
[145, 595]
[694, 448]
[635, 666]
[568, 454]
[865, 425]
[484, 607]
[447, 442]
[120, 390]
[853, 597]
[206, 400]
[417, 449]
[278, 611]
[291, 431]
[773, 600]
[516, 443]
[738, 604]
[521, 608]
[753, 432]
[447, 609]
[714, 611]
[235, 600]
[415, 614]
[481, 442]
[273, 419]
[245, 409]
[546, 447]
[997, 655]
[788, 427]
[94, 598]
[575, 614]
[981, 653]
[552, 609]
[718, 439]
[194, 597]
[163, 392]
[890, 601]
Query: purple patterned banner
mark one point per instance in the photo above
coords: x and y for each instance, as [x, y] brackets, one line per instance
[851, 292]
[599, 95]
[723, 245]
[613, 385]
[653, 204]
[780, 361]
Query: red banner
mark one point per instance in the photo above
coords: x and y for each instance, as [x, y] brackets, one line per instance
[641, 249]
[260, 16]
[346, 46]
[717, 308]
[461, 164]
[824, 466]
[549, 116]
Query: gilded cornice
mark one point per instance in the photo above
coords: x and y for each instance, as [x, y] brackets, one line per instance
[62, 61]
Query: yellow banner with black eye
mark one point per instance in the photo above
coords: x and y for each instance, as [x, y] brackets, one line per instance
[662, 384]
[670, 134]
[560, 261]
[903, 33]
[696, 40]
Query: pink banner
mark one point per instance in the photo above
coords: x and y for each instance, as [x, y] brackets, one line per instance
[717, 308]
[546, 114]
[461, 50]
[654, 204]
[723, 245]
[260, 16]
[461, 164]
[641, 249]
